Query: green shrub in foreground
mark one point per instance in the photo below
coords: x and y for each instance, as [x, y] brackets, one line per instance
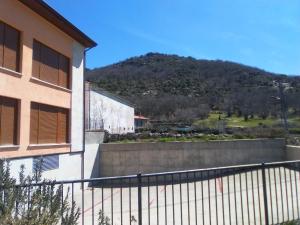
[45, 205]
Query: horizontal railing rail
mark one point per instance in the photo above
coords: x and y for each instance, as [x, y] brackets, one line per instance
[256, 194]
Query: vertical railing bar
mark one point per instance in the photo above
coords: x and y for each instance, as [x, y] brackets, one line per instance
[148, 189]
[130, 211]
[241, 196]
[102, 199]
[165, 190]
[51, 198]
[222, 190]
[270, 190]
[228, 191]
[265, 194]
[139, 176]
[180, 194]
[195, 196]
[247, 199]
[216, 197]
[121, 203]
[188, 197]
[276, 195]
[72, 193]
[209, 205]
[202, 194]
[17, 201]
[173, 203]
[292, 195]
[62, 201]
[286, 194]
[253, 198]
[235, 203]
[93, 203]
[296, 187]
[157, 199]
[259, 200]
[28, 198]
[40, 191]
[82, 201]
[281, 195]
[112, 202]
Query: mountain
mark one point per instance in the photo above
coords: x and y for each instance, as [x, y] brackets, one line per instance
[170, 87]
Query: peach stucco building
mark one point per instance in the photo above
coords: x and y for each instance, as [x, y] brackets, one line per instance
[42, 58]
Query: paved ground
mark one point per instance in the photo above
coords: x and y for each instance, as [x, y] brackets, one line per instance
[233, 199]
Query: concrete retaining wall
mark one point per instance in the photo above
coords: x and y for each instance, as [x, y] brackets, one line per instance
[292, 152]
[125, 159]
[94, 137]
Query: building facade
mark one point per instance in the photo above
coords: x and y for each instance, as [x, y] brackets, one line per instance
[105, 111]
[42, 58]
[141, 122]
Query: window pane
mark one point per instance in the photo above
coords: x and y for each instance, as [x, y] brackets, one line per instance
[46, 163]
[49, 65]
[36, 59]
[62, 136]
[11, 48]
[47, 124]
[34, 123]
[63, 71]
[1, 43]
[8, 121]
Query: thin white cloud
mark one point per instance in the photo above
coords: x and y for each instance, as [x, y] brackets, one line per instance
[187, 50]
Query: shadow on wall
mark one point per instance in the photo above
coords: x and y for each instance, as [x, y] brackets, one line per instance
[93, 139]
[95, 170]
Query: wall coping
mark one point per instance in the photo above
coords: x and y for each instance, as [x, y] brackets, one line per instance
[293, 146]
[183, 142]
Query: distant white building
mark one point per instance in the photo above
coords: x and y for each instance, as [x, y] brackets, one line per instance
[105, 111]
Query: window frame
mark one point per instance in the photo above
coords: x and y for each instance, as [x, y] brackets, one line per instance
[68, 126]
[36, 77]
[16, 137]
[19, 54]
[43, 162]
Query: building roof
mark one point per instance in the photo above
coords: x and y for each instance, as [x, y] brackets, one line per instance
[141, 118]
[110, 95]
[52, 16]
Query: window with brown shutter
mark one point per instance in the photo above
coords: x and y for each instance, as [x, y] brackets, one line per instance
[1, 43]
[63, 71]
[36, 59]
[8, 121]
[48, 124]
[63, 126]
[50, 66]
[9, 47]
[34, 123]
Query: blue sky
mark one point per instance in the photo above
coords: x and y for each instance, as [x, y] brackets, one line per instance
[260, 33]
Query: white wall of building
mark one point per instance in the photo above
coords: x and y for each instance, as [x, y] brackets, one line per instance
[117, 117]
[69, 167]
[77, 98]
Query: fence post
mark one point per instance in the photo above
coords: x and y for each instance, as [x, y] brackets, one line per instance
[265, 195]
[139, 177]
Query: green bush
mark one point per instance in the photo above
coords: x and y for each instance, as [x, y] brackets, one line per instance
[102, 219]
[25, 204]
[295, 130]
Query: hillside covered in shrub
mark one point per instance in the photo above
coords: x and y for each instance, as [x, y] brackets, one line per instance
[183, 89]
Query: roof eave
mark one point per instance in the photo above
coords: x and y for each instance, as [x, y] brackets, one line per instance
[48, 13]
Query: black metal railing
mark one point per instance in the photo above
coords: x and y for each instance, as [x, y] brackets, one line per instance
[251, 194]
